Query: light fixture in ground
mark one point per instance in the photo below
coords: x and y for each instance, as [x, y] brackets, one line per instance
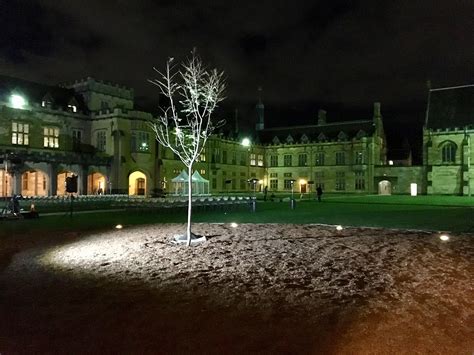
[118, 226]
[339, 228]
[444, 237]
[234, 225]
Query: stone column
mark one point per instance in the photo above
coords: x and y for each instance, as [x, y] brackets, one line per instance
[53, 179]
[16, 182]
[82, 181]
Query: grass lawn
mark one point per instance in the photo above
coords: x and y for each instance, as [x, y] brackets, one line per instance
[442, 213]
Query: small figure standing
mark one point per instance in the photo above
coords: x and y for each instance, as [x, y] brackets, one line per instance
[265, 191]
[319, 192]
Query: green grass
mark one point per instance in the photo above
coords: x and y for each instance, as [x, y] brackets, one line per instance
[377, 211]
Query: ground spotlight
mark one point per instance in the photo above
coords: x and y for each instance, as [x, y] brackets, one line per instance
[234, 225]
[444, 237]
[118, 226]
[339, 228]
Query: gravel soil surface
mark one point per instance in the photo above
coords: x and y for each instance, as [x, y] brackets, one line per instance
[257, 288]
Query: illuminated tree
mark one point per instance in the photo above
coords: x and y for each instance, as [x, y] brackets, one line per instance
[185, 124]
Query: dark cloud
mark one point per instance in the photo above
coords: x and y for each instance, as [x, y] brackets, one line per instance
[340, 53]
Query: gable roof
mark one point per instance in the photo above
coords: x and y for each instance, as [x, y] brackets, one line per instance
[450, 107]
[330, 131]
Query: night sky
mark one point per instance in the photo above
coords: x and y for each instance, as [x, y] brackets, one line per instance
[338, 55]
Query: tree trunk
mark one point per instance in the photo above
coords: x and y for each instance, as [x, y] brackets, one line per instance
[190, 196]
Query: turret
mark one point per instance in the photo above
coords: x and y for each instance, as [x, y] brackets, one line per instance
[260, 108]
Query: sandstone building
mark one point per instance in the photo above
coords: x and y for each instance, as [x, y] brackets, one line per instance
[91, 129]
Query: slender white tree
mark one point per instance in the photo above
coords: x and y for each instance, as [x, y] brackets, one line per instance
[185, 124]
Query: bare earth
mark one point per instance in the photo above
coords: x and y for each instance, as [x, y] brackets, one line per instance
[258, 288]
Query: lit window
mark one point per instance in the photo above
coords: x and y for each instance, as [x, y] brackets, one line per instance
[274, 184]
[51, 137]
[260, 159]
[253, 159]
[202, 171]
[359, 158]
[20, 133]
[202, 156]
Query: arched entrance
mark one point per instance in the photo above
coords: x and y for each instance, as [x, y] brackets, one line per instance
[5, 184]
[61, 191]
[385, 187]
[34, 183]
[137, 183]
[96, 184]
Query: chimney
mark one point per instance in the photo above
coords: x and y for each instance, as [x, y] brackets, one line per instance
[377, 109]
[321, 117]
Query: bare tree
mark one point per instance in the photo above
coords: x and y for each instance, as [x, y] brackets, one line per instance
[185, 125]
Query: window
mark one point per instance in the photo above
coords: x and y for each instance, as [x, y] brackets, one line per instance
[76, 139]
[359, 158]
[20, 133]
[202, 156]
[253, 159]
[359, 180]
[101, 141]
[243, 184]
[287, 160]
[202, 171]
[214, 183]
[140, 142]
[288, 184]
[340, 181]
[25, 181]
[274, 184]
[340, 158]
[224, 157]
[273, 175]
[273, 160]
[319, 160]
[234, 158]
[243, 159]
[216, 156]
[448, 153]
[287, 174]
[51, 137]
[302, 159]
[260, 159]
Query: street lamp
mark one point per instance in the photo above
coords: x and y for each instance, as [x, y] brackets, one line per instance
[292, 201]
[246, 143]
[254, 199]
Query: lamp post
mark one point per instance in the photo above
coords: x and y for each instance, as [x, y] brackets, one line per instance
[246, 143]
[254, 198]
[292, 201]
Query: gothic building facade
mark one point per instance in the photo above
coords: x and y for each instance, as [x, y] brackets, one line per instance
[92, 130]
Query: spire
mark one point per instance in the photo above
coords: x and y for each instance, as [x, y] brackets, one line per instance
[260, 108]
[236, 122]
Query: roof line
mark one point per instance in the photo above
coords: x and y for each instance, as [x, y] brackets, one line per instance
[323, 125]
[452, 87]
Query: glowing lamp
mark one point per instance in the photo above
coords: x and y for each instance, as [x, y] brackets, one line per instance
[444, 237]
[246, 142]
[118, 226]
[413, 189]
[339, 228]
[390, 162]
[302, 182]
[260, 182]
[234, 225]
[17, 101]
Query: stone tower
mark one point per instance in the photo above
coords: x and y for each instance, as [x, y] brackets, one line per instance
[260, 108]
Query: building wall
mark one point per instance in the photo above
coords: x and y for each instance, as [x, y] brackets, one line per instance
[448, 177]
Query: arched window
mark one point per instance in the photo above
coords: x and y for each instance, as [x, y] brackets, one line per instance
[448, 153]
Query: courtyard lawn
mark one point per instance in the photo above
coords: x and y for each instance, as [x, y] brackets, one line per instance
[444, 214]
